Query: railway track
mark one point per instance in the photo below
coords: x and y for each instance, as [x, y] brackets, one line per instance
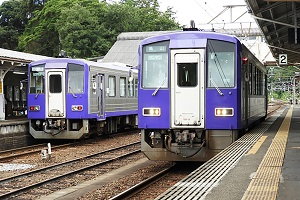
[26, 151]
[60, 173]
[8, 155]
[155, 185]
[24, 183]
[158, 183]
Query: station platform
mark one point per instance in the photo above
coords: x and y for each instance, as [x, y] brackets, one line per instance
[265, 164]
[14, 133]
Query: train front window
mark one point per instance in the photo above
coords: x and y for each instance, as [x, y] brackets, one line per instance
[220, 64]
[187, 74]
[37, 75]
[155, 65]
[75, 78]
[55, 83]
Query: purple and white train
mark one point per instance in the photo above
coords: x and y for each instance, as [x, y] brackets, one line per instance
[198, 92]
[73, 98]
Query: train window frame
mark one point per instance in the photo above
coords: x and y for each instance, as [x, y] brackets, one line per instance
[184, 78]
[217, 74]
[136, 87]
[155, 65]
[130, 86]
[250, 78]
[55, 83]
[112, 86]
[37, 79]
[76, 79]
[122, 87]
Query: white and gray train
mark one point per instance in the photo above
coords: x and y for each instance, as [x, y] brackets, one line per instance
[73, 98]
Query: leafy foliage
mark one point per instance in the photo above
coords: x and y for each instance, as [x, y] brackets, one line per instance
[11, 24]
[281, 83]
[82, 28]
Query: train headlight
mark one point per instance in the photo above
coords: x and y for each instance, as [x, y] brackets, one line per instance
[151, 112]
[224, 112]
[34, 108]
[77, 108]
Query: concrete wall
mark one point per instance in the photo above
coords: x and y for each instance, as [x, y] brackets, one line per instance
[15, 135]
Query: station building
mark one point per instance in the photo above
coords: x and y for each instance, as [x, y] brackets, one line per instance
[13, 82]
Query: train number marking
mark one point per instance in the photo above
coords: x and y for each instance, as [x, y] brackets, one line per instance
[283, 59]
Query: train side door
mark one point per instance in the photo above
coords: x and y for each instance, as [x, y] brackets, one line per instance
[100, 95]
[187, 88]
[55, 93]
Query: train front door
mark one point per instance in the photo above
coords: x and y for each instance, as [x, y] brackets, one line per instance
[187, 88]
[100, 95]
[55, 93]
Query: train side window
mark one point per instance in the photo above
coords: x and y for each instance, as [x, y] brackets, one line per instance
[37, 76]
[55, 83]
[136, 87]
[122, 86]
[250, 79]
[187, 74]
[75, 78]
[112, 86]
[130, 89]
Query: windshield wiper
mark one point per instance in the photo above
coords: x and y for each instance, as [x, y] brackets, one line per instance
[155, 91]
[215, 85]
[37, 94]
[72, 92]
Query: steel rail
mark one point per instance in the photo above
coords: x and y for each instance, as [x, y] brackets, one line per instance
[20, 190]
[142, 185]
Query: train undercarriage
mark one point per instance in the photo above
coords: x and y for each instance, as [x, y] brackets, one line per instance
[185, 145]
[79, 128]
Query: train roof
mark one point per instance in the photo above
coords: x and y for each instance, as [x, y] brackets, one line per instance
[191, 35]
[107, 65]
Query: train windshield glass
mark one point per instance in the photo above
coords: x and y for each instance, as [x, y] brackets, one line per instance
[75, 78]
[37, 74]
[55, 83]
[187, 74]
[221, 64]
[155, 65]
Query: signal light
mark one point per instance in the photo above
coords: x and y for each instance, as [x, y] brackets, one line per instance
[77, 108]
[34, 108]
[245, 60]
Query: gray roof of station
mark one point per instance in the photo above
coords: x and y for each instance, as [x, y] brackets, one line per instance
[125, 49]
[9, 55]
[15, 60]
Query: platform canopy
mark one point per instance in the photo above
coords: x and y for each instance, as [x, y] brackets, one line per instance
[16, 61]
[278, 21]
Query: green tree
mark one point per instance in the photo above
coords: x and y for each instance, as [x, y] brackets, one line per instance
[14, 15]
[86, 28]
[11, 23]
[80, 33]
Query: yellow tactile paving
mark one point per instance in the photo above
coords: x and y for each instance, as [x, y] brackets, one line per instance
[257, 145]
[264, 184]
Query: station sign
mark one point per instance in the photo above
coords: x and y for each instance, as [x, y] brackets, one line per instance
[282, 59]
